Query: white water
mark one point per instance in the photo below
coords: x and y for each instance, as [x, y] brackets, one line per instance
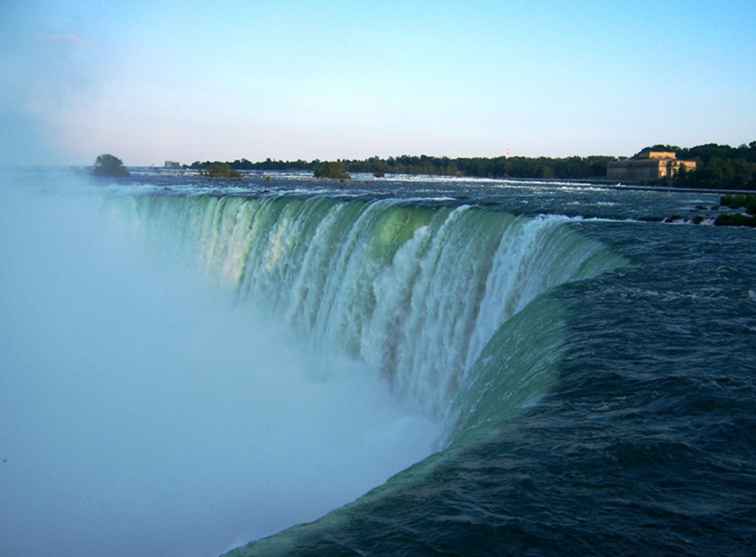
[150, 414]
[415, 293]
[140, 414]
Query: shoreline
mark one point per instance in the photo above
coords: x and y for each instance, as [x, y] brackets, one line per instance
[575, 182]
[672, 189]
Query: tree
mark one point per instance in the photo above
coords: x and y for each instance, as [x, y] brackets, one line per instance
[221, 170]
[109, 165]
[333, 170]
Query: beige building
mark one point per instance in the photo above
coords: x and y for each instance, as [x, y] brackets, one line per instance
[648, 166]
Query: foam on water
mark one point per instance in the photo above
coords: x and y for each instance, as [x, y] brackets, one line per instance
[344, 340]
[383, 281]
[149, 416]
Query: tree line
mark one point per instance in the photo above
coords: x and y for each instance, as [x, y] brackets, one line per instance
[479, 167]
[720, 166]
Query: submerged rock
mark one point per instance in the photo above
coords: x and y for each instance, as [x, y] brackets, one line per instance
[735, 219]
[674, 219]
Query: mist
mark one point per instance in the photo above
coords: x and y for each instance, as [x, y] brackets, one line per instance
[143, 413]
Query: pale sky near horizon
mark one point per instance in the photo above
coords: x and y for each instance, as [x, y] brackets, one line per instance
[152, 81]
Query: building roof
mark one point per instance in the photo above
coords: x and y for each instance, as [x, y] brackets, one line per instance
[657, 155]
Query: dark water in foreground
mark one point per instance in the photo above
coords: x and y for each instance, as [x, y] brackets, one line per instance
[645, 446]
[592, 370]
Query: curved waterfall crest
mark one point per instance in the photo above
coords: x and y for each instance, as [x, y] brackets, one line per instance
[417, 292]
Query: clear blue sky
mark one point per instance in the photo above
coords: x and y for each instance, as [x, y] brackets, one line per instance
[151, 81]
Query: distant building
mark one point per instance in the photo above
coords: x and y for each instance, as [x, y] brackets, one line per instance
[648, 166]
[172, 164]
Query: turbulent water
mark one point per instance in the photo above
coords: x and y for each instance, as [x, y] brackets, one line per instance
[573, 376]
[415, 292]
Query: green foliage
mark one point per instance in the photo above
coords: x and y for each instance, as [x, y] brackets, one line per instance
[267, 164]
[109, 165]
[333, 170]
[481, 167]
[659, 147]
[748, 202]
[497, 167]
[719, 166]
[220, 170]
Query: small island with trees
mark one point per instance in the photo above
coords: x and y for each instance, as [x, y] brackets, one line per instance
[331, 170]
[110, 166]
[220, 170]
[744, 202]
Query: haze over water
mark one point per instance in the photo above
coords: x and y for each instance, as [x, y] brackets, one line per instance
[165, 417]
[412, 365]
